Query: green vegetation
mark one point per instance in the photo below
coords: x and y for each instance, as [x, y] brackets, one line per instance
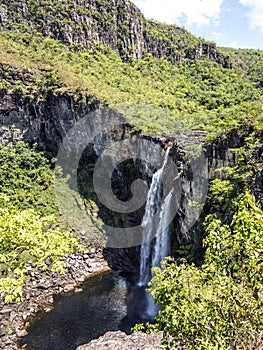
[218, 305]
[31, 232]
[215, 305]
[223, 194]
[77, 24]
[170, 38]
[66, 16]
[248, 61]
[26, 178]
[194, 94]
[26, 239]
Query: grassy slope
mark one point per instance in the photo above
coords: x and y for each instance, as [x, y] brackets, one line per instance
[194, 94]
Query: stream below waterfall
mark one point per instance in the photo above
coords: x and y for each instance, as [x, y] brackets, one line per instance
[108, 302]
[105, 302]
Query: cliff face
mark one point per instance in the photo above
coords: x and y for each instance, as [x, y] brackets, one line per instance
[47, 122]
[118, 24]
[79, 24]
[82, 24]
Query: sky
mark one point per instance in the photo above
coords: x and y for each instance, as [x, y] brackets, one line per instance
[232, 23]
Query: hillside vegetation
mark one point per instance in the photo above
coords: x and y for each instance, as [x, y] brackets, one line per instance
[218, 304]
[31, 232]
[196, 94]
[197, 85]
[165, 80]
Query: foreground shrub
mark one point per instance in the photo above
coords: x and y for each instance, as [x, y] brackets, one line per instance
[217, 306]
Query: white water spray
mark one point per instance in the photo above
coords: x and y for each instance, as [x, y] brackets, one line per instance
[153, 252]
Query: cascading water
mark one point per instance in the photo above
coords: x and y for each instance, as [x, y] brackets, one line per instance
[162, 243]
[108, 301]
[152, 253]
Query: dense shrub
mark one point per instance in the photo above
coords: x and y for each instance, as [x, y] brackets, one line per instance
[217, 306]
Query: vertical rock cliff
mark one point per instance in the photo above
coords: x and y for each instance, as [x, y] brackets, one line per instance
[82, 24]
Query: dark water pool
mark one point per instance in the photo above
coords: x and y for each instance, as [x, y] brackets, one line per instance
[107, 302]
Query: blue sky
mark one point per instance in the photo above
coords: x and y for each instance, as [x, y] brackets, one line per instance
[234, 23]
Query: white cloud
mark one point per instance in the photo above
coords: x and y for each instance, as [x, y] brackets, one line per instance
[233, 44]
[199, 12]
[255, 13]
[217, 35]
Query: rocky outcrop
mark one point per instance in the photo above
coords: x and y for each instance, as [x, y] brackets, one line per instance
[118, 24]
[45, 122]
[210, 51]
[81, 24]
[122, 341]
[258, 185]
[176, 44]
[257, 189]
[221, 153]
[39, 292]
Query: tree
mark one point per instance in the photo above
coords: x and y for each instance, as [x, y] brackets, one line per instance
[219, 305]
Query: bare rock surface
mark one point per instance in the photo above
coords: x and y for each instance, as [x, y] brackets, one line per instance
[122, 341]
[39, 291]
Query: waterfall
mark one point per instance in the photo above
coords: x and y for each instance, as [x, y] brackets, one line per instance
[162, 241]
[153, 252]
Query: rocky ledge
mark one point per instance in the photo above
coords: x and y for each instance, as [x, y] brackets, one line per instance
[121, 341]
[38, 293]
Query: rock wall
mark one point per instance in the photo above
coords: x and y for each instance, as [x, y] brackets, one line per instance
[47, 122]
[82, 24]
